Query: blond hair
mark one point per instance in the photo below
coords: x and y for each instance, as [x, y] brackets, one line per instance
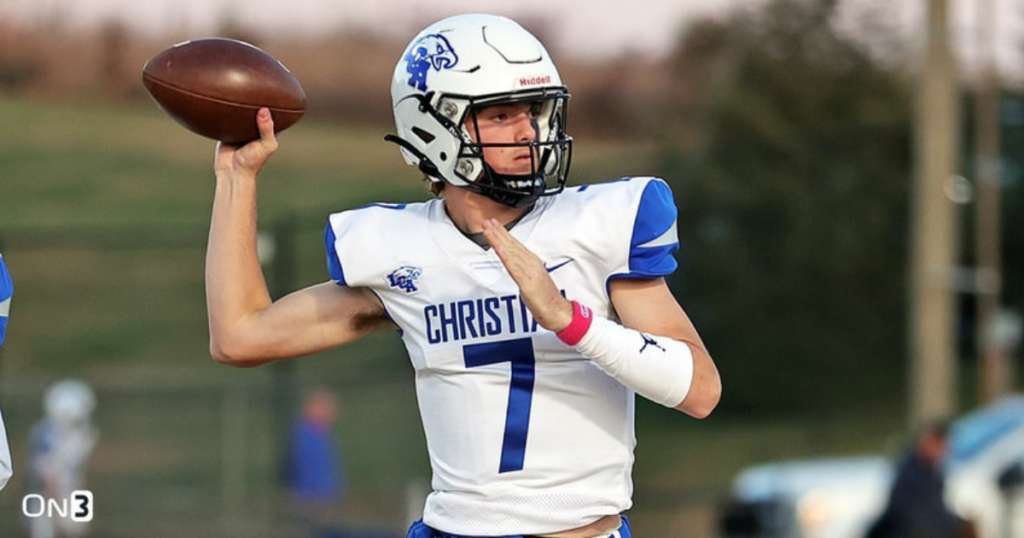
[434, 187]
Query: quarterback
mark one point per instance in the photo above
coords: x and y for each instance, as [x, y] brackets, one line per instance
[532, 312]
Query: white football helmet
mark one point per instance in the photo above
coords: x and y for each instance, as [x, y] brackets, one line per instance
[69, 401]
[470, 61]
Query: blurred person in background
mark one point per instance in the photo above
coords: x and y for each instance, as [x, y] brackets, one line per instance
[62, 443]
[6, 291]
[532, 313]
[917, 505]
[314, 474]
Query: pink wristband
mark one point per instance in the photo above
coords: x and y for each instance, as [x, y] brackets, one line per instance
[582, 317]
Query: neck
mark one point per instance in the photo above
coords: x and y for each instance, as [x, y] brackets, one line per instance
[469, 210]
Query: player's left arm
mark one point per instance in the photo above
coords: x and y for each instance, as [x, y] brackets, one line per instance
[655, 350]
[648, 306]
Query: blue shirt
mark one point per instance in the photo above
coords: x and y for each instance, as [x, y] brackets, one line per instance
[314, 471]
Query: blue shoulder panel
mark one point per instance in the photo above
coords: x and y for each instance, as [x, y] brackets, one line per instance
[333, 263]
[654, 243]
[6, 291]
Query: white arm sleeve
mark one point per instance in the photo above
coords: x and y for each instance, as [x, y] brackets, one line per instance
[5, 456]
[656, 367]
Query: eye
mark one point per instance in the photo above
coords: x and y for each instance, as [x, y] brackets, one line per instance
[535, 109]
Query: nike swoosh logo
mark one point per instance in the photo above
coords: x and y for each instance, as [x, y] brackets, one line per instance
[554, 267]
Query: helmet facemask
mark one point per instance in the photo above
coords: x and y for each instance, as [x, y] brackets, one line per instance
[550, 151]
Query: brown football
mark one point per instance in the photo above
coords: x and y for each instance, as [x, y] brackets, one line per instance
[214, 86]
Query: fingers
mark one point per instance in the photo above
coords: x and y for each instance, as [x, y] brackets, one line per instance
[521, 264]
[250, 158]
[538, 290]
[493, 235]
[505, 245]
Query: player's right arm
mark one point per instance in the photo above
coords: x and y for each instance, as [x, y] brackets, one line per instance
[248, 328]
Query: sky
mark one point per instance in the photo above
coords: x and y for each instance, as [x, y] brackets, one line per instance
[586, 28]
[600, 27]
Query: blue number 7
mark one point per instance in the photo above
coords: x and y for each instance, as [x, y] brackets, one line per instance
[520, 394]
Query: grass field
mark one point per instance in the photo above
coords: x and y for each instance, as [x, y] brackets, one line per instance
[103, 215]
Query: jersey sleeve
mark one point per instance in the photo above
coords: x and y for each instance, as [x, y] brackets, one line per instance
[654, 241]
[6, 291]
[334, 268]
[355, 240]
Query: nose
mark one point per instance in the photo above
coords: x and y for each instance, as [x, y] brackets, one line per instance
[526, 129]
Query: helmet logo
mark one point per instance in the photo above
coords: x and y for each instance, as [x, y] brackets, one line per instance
[526, 82]
[429, 52]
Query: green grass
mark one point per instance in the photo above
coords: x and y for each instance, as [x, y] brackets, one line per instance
[130, 166]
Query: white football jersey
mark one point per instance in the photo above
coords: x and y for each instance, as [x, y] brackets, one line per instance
[525, 436]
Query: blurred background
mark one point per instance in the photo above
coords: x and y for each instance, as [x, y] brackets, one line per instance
[849, 174]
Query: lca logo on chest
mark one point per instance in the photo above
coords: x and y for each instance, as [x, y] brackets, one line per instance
[405, 278]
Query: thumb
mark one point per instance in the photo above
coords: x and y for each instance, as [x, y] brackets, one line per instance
[265, 123]
[266, 144]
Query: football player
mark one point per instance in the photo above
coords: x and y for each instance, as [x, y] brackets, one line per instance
[62, 444]
[6, 291]
[532, 312]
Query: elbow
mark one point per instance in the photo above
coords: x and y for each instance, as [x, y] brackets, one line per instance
[702, 400]
[705, 388]
[233, 355]
[703, 410]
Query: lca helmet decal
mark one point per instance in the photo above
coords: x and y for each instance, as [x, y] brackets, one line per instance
[429, 52]
[404, 278]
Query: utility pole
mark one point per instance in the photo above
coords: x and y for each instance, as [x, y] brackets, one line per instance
[932, 341]
[994, 369]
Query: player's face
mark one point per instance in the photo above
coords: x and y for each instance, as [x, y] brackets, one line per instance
[513, 123]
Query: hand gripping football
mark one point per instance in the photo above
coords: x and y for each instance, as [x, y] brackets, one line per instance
[214, 87]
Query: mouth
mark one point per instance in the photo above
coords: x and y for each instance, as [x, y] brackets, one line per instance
[525, 159]
[517, 164]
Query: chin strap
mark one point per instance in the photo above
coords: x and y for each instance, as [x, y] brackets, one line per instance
[495, 186]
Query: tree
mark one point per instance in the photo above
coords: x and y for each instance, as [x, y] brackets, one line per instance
[790, 160]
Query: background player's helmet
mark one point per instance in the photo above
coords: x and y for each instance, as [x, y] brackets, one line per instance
[69, 401]
[469, 61]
